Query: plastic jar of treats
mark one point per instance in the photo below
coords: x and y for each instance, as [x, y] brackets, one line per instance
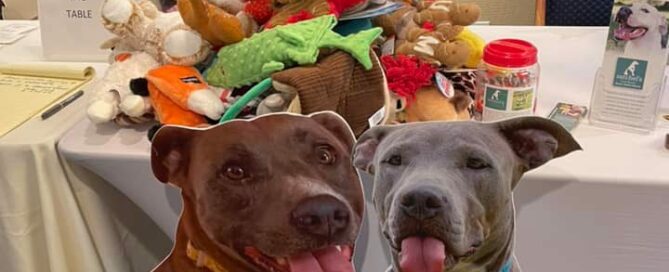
[507, 80]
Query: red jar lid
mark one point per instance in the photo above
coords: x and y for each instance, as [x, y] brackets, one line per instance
[510, 53]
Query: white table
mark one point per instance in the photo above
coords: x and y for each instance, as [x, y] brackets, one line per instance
[57, 217]
[604, 209]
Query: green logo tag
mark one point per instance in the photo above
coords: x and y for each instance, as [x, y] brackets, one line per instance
[630, 73]
[496, 98]
[522, 100]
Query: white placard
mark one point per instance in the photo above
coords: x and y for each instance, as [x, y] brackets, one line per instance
[72, 30]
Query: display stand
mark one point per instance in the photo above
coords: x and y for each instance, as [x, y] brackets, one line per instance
[628, 87]
[624, 110]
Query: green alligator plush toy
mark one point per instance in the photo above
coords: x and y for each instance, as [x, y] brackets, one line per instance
[264, 53]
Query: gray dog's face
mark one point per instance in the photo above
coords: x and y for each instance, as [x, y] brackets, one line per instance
[443, 190]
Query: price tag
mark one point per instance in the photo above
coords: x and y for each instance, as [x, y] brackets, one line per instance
[388, 47]
[444, 85]
[377, 118]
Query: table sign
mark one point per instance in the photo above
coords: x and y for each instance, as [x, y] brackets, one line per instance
[629, 85]
[72, 30]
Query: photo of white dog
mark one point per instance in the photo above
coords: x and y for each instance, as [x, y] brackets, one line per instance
[642, 27]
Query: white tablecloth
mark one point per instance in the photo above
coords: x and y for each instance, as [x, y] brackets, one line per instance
[604, 209]
[57, 217]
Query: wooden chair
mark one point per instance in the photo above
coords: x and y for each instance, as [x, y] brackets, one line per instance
[540, 13]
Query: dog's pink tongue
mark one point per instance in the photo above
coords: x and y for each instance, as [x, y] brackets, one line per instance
[325, 260]
[623, 34]
[422, 255]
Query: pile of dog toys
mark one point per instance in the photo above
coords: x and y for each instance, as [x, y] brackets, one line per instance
[215, 60]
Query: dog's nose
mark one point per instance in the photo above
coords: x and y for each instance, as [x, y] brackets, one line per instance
[323, 216]
[422, 203]
[623, 14]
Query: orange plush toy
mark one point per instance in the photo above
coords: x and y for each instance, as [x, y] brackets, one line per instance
[179, 96]
[215, 24]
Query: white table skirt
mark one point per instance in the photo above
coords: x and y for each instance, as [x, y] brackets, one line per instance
[57, 217]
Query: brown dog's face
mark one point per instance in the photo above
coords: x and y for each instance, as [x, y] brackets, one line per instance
[280, 190]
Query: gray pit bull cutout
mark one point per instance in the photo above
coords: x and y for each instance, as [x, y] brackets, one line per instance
[443, 191]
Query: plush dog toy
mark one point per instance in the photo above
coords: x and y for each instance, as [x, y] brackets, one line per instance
[435, 32]
[411, 81]
[441, 15]
[214, 23]
[264, 53]
[113, 99]
[179, 96]
[446, 11]
[431, 105]
[449, 54]
[164, 36]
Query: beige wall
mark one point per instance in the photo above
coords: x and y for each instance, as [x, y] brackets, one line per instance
[498, 12]
[25, 9]
[506, 12]
[20, 9]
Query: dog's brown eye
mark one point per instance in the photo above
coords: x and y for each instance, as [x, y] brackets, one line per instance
[395, 160]
[235, 172]
[477, 164]
[325, 156]
[645, 10]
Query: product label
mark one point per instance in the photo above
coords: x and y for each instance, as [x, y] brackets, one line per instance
[496, 98]
[501, 103]
[388, 47]
[630, 73]
[522, 100]
[377, 118]
[192, 79]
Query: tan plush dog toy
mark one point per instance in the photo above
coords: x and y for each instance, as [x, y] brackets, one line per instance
[447, 17]
[449, 54]
[431, 30]
[442, 11]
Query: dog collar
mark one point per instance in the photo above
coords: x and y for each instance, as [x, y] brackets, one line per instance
[202, 259]
[508, 266]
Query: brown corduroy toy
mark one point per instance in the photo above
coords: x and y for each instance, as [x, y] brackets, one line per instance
[337, 83]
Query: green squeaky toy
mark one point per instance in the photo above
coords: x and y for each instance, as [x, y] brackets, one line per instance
[273, 50]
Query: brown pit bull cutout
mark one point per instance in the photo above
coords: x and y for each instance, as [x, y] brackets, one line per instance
[275, 193]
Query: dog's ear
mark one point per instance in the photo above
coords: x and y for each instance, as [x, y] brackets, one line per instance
[664, 30]
[336, 124]
[536, 140]
[170, 154]
[368, 143]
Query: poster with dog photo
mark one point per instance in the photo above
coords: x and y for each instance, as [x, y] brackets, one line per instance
[629, 85]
